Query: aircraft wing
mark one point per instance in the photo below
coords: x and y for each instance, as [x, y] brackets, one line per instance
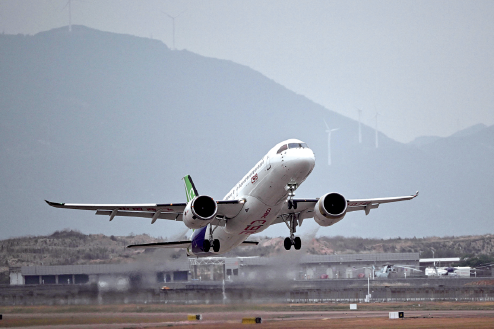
[368, 204]
[305, 207]
[170, 211]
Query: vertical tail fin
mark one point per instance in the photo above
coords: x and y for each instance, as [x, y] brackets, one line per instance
[190, 189]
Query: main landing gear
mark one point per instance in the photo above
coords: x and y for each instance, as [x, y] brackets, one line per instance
[206, 245]
[215, 243]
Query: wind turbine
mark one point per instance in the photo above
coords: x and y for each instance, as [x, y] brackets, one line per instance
[377, 140]
[359, 126]
[69, 3]
[329, 131]
[173, 22]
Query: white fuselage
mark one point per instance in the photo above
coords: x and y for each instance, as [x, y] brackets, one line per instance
[264, 190]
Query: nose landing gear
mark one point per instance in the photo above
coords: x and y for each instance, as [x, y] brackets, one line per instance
[291, 193]
[292, 204]
[292, 221]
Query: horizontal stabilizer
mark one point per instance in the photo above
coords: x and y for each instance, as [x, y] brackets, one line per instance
[171, 244]
[250, 242]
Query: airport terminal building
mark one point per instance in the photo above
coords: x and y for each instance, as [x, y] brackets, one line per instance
[305, 267]
[286, 278]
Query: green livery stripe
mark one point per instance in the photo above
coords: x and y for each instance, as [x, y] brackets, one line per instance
[190, 189]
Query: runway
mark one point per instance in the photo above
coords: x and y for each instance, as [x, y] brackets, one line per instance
[271, 319]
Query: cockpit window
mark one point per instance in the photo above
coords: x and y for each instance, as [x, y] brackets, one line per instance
[282, 148]
[297, 145]
[292, 146]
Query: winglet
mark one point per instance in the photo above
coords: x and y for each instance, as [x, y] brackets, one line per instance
[55, 204]
[190, 189]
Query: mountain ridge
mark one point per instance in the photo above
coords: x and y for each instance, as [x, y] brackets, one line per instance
[98, 117]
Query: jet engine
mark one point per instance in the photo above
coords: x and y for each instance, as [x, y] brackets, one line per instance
[200, 211]
[330, 209]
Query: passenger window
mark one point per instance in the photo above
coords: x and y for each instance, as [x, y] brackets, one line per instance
[284, 147]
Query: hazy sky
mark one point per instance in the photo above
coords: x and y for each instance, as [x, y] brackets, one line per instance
[426, 66]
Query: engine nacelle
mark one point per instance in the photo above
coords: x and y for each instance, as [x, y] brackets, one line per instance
[330, 209]
[200, 211]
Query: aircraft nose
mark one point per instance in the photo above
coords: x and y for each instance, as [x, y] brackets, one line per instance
[304, 161]
[311, 159]
[308, 156]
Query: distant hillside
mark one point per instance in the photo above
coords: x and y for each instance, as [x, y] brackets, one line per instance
[74, 248]
[98, 117]
[69, 247]
[444, 247]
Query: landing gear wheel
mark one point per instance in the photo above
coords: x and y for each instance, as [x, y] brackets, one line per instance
[294, 204]
[206, 246]
[297, 243]
[216, 245]
[289, 204]
[288, 243]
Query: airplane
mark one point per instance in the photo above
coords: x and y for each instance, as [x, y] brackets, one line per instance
[451, 271]
[389, 270]
[264, 196]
